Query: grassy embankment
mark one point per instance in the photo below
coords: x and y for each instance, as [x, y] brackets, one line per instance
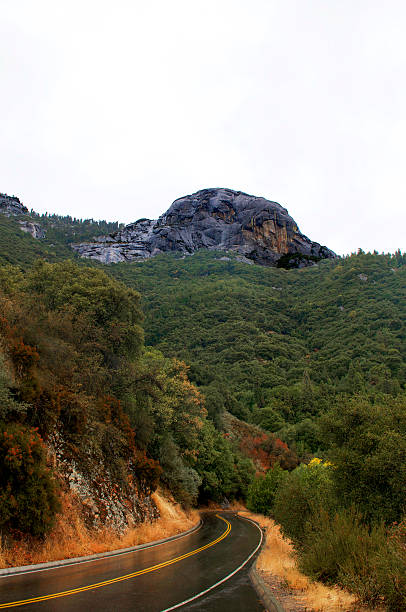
[70, 537]
[277, 565]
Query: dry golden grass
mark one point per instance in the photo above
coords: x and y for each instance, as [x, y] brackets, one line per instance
[277, 559]
[236, 506]
[70, 537]
[2, 554]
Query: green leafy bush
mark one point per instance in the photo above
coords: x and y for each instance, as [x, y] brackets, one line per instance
[224, 473]
[306, 491]
[268, 418]
[182, 480]
[28, 493]
[368, 448]
[10, 409]
[262, 491]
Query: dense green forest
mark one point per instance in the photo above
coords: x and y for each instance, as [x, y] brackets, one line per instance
[198, 372]
[277, 347]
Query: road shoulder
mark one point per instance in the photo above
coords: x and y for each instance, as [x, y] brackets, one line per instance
[9, 571]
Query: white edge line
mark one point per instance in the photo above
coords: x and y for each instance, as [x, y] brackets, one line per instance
[107, 556]
[183, 603]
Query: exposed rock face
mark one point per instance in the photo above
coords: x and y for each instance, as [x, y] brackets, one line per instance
[34, 229]
[10, 205]
[258, 229]
[104, 502]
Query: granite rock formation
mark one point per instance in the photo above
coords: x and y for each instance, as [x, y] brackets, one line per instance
[34, 229]
[11, 205]
[257, 229]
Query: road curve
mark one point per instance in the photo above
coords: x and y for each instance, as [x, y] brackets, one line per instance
[211, 563]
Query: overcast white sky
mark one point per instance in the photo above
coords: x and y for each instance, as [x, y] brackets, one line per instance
[113, 109]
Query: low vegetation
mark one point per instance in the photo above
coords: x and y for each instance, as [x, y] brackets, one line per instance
[334, 541]
[278, 567]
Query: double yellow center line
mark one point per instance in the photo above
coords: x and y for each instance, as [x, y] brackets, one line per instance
[99, 585]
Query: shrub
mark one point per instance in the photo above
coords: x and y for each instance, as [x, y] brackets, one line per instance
[261, 492]
[339, 543]
[223, 472]
[244, 472]
[28, 493]
[182, 480]
[390, 564]
[305, 492]
[368, 448]
[10, 409]
[147, 471]
[44, 410]
[367, 561]
[268, 418]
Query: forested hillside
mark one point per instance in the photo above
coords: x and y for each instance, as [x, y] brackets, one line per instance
[21, 248]
[277, 347]
[117, 418]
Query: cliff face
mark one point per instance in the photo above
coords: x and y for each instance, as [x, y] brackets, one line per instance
[258, 229]
[103, 500]
[34, 229]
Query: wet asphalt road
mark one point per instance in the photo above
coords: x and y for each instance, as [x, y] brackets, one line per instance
[154, 590]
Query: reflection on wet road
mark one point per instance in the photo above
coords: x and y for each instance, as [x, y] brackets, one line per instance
[152, 579]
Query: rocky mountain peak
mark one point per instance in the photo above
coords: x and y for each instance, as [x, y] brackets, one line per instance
[221, 204]
[11, 205]
[258, 229]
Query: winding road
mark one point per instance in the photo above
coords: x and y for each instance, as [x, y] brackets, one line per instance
[205, 570]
